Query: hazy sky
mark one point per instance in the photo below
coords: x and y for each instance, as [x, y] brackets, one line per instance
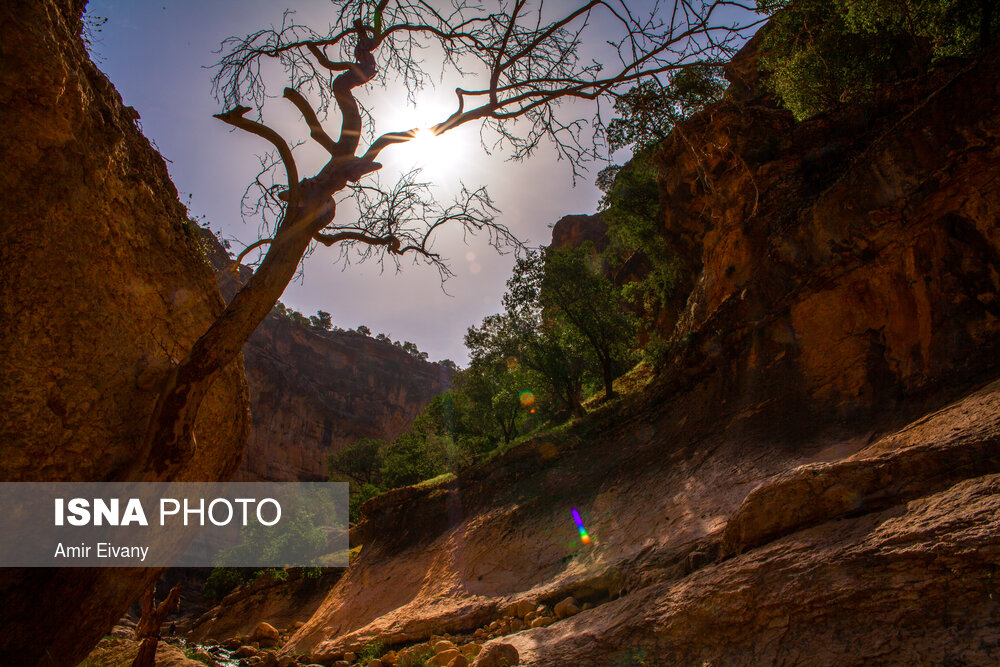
[157, 55]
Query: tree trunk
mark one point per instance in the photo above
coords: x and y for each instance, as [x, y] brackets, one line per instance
[609, 378]
[148, 628]
[170, 437]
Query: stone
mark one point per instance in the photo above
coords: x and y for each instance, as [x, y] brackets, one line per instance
[90, 327]
[564, 607]
[265, 634]
[443, 645]
[444, 657]
[459, 661]
[390, 659]
[471, 650]
[524, 607]
[375, 663]
[516, 625]
[542, 621]
[350, 656]
[497, 655]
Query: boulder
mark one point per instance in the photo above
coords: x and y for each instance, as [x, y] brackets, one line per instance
[265, 634]
[497, 655]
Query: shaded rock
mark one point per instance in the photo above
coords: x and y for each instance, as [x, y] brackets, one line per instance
[265, 634]
[566, 607]
[497, 655]
[572, 231]
[92, 320]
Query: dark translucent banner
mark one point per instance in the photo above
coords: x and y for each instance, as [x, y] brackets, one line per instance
[233, 524]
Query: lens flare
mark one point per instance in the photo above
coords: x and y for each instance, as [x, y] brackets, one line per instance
[584, 537]
[527, 398]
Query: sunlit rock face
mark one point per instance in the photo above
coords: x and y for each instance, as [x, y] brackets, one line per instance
[851, 259]
[103, 286]
[812, 480]
[313, 391]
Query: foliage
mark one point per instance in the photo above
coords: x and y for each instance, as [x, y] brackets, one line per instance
[223, 580]
[573, 290]
[363, 330]
[631, 204]
[360, 461]
[648, 112]
[371, 651]
[299, 535]
[819, 53]
[322, 320]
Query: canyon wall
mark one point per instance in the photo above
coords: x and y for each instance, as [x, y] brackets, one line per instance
[103, 287]
[313, 391]
[814, 476]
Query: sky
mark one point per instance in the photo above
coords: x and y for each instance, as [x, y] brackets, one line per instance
[158, 55]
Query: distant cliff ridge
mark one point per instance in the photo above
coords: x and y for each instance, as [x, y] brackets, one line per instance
[313, 391]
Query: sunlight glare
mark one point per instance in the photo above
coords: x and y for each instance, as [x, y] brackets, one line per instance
[440, 156]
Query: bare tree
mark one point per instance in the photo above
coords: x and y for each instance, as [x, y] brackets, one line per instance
[523, 60]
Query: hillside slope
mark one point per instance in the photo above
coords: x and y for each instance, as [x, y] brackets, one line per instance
[814, 477]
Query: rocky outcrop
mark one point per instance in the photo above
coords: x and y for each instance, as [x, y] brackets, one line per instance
[572, 231]
[103, 286]
[313, 391]
[815, 478]
[848, 260]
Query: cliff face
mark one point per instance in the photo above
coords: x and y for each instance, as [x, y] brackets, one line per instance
[103, 285]
[313, 391]
[815, 479]
[849, 260]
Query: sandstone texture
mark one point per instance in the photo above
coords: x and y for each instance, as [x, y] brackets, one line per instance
[313, 391]
[815, 477]
[104, 285]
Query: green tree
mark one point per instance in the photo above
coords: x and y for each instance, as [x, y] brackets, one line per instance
[649, 111]
[819, 53]
[322, 320]
[555, 352]
[359, 461]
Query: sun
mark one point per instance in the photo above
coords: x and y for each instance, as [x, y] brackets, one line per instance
[439, 156]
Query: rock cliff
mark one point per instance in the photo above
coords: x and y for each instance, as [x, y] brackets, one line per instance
[814, 479]
[313, 391]
[103, 285]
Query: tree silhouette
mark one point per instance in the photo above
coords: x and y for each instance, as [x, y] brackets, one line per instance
[523, 60]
